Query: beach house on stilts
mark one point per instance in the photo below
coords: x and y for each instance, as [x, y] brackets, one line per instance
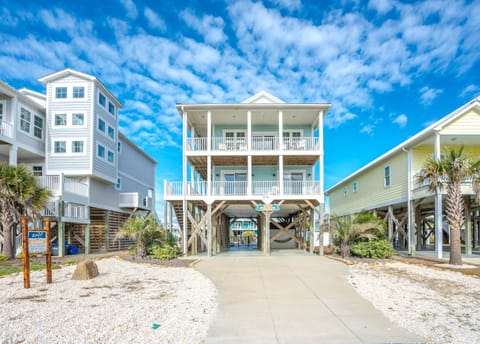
[240, 158]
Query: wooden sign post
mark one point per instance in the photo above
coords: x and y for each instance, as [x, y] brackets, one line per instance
[35, 242]
[26, 260]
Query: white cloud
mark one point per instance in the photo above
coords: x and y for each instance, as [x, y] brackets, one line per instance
[470, 91]
[381, 6]
[210, 27]
[401, 120]
[153, 19]
[290, 5]
[367, 129]
[130, 7]
[428, 95]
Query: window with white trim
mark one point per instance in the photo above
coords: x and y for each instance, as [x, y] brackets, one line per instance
[25, 118]
[38, 127]
[60, 147]
[37, 171]
[355, 186]
[111, 133]
[118, 186]
[78, 119]
[101, 99]
[387, 176]
[60, 119]
[60, 92]
[101, 125]
[3, 108]
[111, 157]
[345, 191]
[111, 108]
[78, 92]
[78, 146]
[101, 151]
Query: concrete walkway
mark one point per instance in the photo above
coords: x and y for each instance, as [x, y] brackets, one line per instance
[292, 298]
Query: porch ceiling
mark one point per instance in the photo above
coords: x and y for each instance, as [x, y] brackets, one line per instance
[246, 209]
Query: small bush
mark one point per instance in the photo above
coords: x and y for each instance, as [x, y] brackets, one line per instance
[3, 257]
[166, 252]
[373, 249]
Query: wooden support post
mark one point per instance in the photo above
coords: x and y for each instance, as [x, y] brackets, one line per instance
[419, 227]
[87, 233]
[209, 230]
[468, 227]
[390, 223]
[26, 258]
[48, 257]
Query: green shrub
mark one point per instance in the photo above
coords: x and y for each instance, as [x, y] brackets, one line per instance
[373, 249]
[3, 257]
[166, 252]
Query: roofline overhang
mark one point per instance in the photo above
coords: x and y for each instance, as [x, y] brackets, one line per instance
[407, 144]
[11, 92]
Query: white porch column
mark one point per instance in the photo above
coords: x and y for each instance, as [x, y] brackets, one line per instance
[12, 155]
[249, 131]
[209, 230]
[438, 207]
[249, 174]
[184, 184]
[280, 173]
[468, 227]
[209, 131]
[209, 175]
[321, 153]
[280, 130]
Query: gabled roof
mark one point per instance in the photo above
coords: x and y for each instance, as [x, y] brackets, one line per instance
[263, 97]
[68, 71]
[411, 142]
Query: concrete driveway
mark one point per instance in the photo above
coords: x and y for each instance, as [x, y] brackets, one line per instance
[292, 297]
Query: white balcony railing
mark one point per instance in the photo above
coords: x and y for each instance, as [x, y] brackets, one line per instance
[50, 209]
[6, 129]
[75, 211]
[240, 188]
[57, 184]
[426, 182]
[258, 143]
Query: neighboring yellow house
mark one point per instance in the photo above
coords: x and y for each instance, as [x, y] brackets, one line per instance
[388, 185]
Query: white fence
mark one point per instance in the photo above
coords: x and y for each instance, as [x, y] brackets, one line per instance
[6, 129]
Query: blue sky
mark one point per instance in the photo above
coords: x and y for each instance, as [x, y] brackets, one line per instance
[389, 68]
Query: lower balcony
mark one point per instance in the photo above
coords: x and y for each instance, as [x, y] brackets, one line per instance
[67, 188]
[241, 188]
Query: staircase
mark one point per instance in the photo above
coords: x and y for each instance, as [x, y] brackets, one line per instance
[178, 209]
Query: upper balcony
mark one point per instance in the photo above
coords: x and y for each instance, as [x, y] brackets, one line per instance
[258, 143]
[420, 190]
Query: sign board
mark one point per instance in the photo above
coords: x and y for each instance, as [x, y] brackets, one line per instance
[267, 207]
[37, 242]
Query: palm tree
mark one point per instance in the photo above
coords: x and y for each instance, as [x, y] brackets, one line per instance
[144, 230]
[20, 196]
[452, 170]
[348, 229]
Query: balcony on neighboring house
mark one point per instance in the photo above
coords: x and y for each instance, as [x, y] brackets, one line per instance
[258, 144]
[66, 188]
[240, 188]
[6, 130]
[134, 200]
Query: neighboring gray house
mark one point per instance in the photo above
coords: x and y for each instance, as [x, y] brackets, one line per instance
[70, 140]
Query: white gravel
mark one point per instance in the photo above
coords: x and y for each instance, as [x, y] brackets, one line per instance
[118, 306]
[441, 306]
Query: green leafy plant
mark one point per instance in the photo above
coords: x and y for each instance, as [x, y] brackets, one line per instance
[347, 230]
[373, 249]
[3, 257]
[166, 252]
